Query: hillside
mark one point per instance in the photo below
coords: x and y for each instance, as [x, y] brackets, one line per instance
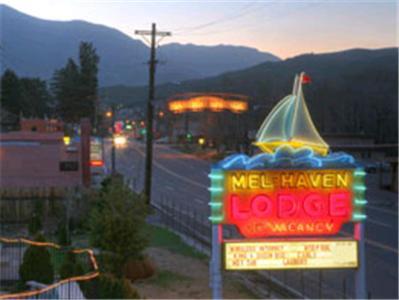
[353, 91]
[35, 47]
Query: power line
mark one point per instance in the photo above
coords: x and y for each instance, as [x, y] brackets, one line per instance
[244, 11]
[251, 26]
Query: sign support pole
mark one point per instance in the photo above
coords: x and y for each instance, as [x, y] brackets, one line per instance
[215, 263]
[360, 279]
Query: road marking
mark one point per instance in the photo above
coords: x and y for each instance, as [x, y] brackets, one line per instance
[378, 222]
[382, 246]
[382, 210]
[169, 188]
[375, 244]
[199, 201]
[157, 164]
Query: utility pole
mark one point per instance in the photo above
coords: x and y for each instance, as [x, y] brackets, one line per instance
[148, 158]
[113, 140]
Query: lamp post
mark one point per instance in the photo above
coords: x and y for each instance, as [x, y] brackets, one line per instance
[111, 114]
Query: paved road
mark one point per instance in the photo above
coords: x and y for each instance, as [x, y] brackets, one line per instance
[182, 178]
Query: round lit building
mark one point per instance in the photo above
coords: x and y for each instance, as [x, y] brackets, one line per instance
[210, 118]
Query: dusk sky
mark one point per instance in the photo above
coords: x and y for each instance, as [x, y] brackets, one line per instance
[284, 28]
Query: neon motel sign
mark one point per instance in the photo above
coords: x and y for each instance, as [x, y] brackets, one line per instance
[295, 191]
[308, 202]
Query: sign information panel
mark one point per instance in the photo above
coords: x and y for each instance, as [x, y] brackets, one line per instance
[282, 255]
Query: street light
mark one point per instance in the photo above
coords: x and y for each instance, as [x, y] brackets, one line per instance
[67, 140]
[201, 141]
[108, 114]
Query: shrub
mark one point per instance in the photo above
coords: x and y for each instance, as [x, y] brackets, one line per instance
[36, 264]
[62, 235]
[70, 266]
[117, 222]
[35, 223]
[107, 286]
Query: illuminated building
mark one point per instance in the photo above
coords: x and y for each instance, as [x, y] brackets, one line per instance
[215, 116]
[215, 102]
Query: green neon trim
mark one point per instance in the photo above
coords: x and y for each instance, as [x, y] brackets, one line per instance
[215, 204]
[360, 202]
[215, 189]
[359, 217]
[216, 218]
[215, 176]
[359, 188]
[360, 173]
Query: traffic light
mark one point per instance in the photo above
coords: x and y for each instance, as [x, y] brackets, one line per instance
[201, 141]
[189, 137]
[143, 131]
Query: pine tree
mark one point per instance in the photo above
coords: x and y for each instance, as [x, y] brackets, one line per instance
[65, 87]
[88, 60]
[11, 92]
[75, 86]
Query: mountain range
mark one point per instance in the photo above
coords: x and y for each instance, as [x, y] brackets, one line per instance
[353, 91]
[35, 47]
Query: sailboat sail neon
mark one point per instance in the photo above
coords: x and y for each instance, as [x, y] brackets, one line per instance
[289, 123]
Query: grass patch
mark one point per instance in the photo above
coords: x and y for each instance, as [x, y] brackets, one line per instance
[163, 238]
[166, 278]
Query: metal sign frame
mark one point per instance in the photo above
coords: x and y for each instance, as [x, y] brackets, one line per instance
[216, 262]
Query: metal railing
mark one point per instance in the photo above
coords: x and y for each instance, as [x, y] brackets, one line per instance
[194, 226]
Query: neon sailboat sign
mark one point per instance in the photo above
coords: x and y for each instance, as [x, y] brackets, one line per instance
[290, 123]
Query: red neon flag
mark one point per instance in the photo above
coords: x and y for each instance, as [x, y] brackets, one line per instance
[306, 79]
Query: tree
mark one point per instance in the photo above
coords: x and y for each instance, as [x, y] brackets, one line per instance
[116, 224]
[36, 264]
[75, 86]
[35, 98]
[11, 92]
[28, 96]
[65, 87]
[89, 60]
